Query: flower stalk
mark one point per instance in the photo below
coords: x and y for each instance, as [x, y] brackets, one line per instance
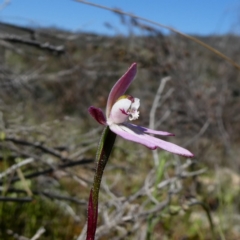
[121, 109]
[104, 149]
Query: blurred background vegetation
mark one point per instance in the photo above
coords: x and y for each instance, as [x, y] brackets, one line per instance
[48, 79]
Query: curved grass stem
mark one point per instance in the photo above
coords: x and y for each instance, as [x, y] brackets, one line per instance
[215, 51]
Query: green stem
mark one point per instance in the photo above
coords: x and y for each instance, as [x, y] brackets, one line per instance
[104, 149]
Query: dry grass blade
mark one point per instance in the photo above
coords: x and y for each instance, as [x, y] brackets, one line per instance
[166, 27]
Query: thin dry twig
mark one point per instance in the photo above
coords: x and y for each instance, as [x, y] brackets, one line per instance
[15, 199]
[38, 234]
[50, 170]
[199, 134]
[153, 113]
[4, 4]
[43, 46]
[24, 182]
[39, 146]
[156, 101]
[14, 167]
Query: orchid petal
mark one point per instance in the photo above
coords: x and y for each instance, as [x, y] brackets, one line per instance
[120, 87]
[148, 141]
[141, 129]
[97, 114]
[170, 147]
[127, 134]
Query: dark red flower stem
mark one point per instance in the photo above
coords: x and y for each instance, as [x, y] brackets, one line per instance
[104, 149]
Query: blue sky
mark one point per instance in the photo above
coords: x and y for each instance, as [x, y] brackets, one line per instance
[201, 17]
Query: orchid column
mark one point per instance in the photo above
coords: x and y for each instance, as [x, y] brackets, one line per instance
[119, 111]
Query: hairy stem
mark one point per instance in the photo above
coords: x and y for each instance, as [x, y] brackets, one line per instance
[104, 149]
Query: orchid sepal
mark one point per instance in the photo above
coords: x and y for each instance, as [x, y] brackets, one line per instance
[139, 135]
[98, 115]
[120, 87]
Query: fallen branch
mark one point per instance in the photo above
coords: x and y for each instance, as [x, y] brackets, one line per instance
[43, 46]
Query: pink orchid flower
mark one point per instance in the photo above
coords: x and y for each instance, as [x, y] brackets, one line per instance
[122, 108]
